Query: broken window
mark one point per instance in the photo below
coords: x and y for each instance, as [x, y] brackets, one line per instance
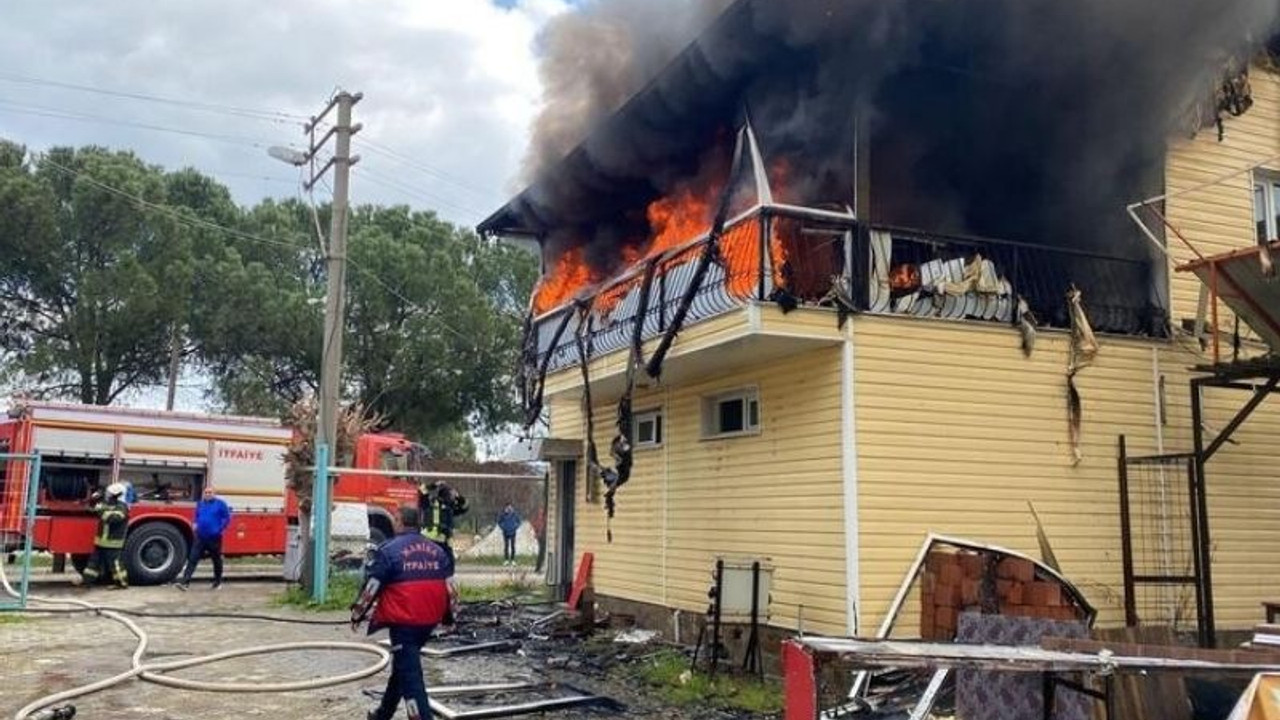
[1266, 208]
[647, 429]
[732, 413]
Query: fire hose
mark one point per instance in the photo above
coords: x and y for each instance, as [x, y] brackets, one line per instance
[155, 672]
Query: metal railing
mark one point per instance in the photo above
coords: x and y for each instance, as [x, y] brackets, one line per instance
[19, 489]
[810, 257]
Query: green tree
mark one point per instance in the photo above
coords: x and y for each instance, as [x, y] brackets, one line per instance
[91, 284]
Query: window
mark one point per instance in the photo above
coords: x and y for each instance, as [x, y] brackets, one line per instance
[646, 429]
[732, 413]
[1266, 208]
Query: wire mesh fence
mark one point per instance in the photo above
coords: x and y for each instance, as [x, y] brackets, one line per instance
[19, 484]
[1160, 540]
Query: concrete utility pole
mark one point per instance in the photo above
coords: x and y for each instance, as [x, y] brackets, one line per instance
[315, 549]
[335, 258]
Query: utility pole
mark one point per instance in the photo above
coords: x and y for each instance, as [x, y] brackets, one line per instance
[316, 549]
[335, 257]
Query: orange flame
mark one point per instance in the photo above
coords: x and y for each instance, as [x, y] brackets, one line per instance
[674, 220]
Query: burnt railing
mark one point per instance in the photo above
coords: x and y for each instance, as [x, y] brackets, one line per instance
[796, 256]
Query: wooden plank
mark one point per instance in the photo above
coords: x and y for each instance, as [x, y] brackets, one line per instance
[1163, 695]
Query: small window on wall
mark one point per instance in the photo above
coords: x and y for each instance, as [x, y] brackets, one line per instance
[646, 429]
[732, 413]
[1266, 208]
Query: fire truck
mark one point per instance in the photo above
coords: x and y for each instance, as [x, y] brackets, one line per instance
[168, 458]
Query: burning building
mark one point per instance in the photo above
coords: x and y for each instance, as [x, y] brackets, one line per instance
[834, 275]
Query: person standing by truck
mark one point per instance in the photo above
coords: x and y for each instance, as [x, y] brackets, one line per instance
[439, 505]
[212, 517]
[113, 524]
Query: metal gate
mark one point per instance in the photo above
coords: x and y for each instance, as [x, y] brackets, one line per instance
[19, 486]
[1161, 541]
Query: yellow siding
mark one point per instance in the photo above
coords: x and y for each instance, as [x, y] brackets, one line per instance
[957, 431]
[775, 495]
[1219, 218]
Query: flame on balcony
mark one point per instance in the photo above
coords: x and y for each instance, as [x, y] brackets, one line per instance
[675, 219]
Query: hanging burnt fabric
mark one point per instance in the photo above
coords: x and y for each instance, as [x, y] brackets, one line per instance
[1026, 321]
[1083, 350]
[1234, 96]
[533, 375]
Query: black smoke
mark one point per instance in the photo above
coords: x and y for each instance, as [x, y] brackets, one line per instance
[1029, 120]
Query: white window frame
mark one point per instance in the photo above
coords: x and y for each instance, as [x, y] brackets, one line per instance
[711, 413]
[1267, 184]
[655, 416]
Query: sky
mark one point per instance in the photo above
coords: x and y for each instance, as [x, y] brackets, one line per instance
[450, 89]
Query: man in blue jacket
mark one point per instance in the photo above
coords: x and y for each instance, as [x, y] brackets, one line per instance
[212, 518]
[509, 522]
[410, 576]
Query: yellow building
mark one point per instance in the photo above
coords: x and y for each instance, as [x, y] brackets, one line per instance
[827, 449]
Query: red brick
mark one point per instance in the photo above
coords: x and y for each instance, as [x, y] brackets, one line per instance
[946, 622]
[970, 591]
[950, 573]
[947, 596]
[972, 565]
[1044, 594]
[1011, 591]
[928, 622]
[934, 561]
[1013, 568]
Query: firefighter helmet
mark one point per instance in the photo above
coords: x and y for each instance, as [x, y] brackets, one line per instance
[115, 490]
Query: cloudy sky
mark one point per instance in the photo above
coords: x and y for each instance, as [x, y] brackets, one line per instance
[450, 87]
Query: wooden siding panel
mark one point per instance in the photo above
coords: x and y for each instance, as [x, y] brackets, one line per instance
[1219, 218]
[775, 495]
[957, 431]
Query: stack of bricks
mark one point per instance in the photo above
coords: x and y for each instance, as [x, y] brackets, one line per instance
[959, 582]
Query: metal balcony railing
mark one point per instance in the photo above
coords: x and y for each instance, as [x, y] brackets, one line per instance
[811, 257]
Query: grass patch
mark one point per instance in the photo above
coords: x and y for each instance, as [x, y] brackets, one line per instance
[342, 593]
[668, 672]
[528, 561]
[504, 590]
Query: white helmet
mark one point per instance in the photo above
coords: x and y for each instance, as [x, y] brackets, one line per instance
[115, 490]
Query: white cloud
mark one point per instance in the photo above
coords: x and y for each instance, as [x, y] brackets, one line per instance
[452, 84]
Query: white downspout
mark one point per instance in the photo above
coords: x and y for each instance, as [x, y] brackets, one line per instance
[849, 482]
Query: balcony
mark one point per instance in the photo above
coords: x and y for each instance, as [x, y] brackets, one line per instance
[806, 261]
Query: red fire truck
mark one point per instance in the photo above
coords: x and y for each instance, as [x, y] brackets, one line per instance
[168, 458]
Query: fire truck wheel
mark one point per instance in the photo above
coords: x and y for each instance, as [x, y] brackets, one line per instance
[377, 535]
[79, 562]
[154, 553]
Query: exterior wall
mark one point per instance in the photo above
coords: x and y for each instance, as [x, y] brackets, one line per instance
[957, 432]
[775, 495]
[1219, 218]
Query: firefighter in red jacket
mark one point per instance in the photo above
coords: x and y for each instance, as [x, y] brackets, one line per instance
[408, 579]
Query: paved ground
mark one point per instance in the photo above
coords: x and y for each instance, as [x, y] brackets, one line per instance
[44, 654]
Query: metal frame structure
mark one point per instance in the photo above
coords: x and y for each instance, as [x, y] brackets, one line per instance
[1260, 378]
[31, 490]
[1131, 578]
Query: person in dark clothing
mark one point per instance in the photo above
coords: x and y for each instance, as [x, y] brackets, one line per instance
[509, 523]
[438, 506]
[113, 524]
[212, 517]
[412, 574]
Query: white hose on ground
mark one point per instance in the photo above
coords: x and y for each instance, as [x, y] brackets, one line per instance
[153, 672]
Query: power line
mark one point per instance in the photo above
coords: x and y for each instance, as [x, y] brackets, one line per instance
[379, 179]
[20, 108]
[270, 115]
[380, 149]
[163, 209]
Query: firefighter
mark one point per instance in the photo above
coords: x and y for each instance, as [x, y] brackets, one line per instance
[406, 591]
[439, 505]
[113, 521]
